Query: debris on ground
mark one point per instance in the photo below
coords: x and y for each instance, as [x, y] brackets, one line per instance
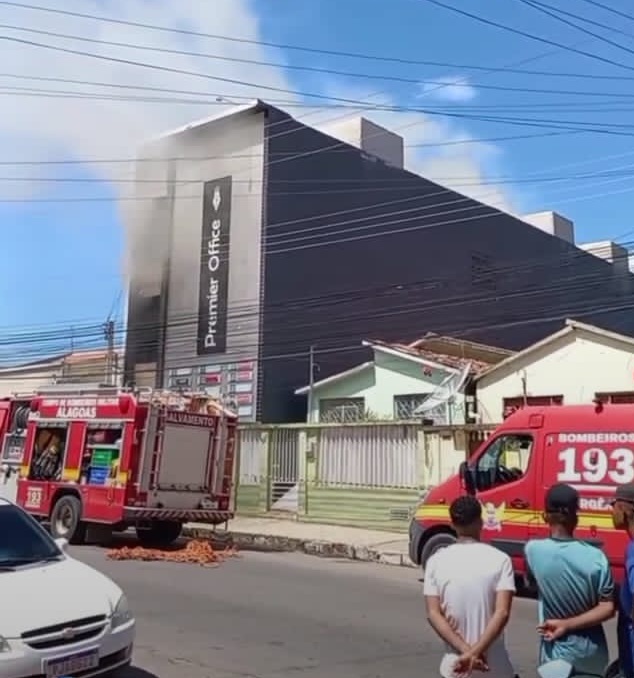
[197, 552]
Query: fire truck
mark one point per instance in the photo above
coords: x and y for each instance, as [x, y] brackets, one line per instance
[100, 457]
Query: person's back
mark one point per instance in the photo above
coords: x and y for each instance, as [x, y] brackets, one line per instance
[467, 577]
[573, 580]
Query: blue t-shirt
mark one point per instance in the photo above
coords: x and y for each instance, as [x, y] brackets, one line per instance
[625, 631]
[572, 577]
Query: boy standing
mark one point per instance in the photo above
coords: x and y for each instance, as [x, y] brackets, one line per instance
[469, 588]
[575, 586]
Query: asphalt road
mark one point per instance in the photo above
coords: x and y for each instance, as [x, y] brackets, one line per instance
[286, 616]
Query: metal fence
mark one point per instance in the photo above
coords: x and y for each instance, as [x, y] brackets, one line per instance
[367, 455]
[389, 455]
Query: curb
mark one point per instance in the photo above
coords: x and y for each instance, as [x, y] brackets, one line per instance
[247, 541]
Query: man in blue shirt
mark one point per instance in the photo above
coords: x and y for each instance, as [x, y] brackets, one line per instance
[575, 586]
[623, 519]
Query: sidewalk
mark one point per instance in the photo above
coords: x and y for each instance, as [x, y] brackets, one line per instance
[327, 541]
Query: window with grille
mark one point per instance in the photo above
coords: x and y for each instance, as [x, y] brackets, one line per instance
[406, 405]
[341, 410]
[510, 405]
[618, 397]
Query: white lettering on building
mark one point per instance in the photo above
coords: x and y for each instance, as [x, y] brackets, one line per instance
[213, 264]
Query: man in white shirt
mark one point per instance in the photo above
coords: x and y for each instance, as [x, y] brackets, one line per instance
[469, 588]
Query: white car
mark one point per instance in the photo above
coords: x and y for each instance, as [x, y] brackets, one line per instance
[59, 617]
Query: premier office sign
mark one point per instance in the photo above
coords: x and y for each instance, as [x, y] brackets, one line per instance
[214, 267]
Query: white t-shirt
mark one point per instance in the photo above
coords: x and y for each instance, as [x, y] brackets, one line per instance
[466, 577]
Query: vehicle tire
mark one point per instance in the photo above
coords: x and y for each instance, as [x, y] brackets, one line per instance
[66, 520]
[160, 533]
[435, 543]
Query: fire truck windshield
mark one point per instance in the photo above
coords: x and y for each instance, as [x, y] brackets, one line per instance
[22, 540]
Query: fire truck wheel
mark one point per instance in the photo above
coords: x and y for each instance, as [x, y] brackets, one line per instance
[435, 543]
[160, 533]
[66, 520]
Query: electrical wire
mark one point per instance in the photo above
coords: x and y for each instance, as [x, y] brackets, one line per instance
[459, 298]
[530, 36]
[327, 71]
[544, 10]
[534, 265]
[318, 51]
[532, 122]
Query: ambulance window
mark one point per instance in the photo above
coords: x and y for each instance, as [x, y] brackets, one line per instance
[49, 450]
[505, 460]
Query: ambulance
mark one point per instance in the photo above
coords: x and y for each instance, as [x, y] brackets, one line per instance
[590, 447]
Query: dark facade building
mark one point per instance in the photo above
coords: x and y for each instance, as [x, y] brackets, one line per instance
[256, 237]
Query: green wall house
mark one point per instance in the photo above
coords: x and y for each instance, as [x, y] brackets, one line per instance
[397, 382]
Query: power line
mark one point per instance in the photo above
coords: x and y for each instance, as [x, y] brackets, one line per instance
[327, 71]
[530, 36]
[543, 8]
[610, 9]
[462, 293]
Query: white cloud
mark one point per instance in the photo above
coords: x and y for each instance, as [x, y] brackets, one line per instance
[40, 128]
[453, 88]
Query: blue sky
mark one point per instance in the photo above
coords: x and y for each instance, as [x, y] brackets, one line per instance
[62, 261]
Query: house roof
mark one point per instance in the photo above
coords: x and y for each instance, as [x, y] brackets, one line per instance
[335, 377]
[570, 327]
[71, 358]
[433, 358]
[462, 348]
[419, 354]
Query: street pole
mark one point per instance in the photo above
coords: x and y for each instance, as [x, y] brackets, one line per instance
[311, 382]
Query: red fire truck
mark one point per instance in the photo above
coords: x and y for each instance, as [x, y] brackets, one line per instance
[112, 459]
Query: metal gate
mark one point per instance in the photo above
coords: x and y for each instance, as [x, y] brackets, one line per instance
[284, 468]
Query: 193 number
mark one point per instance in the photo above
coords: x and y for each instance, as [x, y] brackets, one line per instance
[33, 497]
[596, 466]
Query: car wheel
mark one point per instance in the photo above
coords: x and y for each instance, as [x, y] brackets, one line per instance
[435, 543]
[160, 533]
[66, 520]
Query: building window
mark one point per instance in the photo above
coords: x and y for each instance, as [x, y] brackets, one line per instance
[482, 272]
[406, 405]
[510, 405]
[341, 410]
[616, 397]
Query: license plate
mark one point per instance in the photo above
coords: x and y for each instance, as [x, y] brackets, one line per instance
[66, 666]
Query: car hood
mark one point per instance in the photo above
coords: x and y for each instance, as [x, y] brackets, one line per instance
[53, 593]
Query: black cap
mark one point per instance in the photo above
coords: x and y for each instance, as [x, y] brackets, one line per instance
[625, 493]
[562, 499]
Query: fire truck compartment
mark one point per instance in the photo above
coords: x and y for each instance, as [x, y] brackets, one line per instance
[186, 459]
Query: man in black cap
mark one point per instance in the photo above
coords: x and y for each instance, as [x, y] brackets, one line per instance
[623, 519]
[575, 586]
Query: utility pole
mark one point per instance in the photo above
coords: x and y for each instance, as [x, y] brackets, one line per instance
[108, 329]
[312, 366]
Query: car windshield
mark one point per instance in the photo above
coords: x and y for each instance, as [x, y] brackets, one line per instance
[22, 540]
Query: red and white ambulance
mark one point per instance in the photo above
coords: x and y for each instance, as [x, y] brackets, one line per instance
[588, 446]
